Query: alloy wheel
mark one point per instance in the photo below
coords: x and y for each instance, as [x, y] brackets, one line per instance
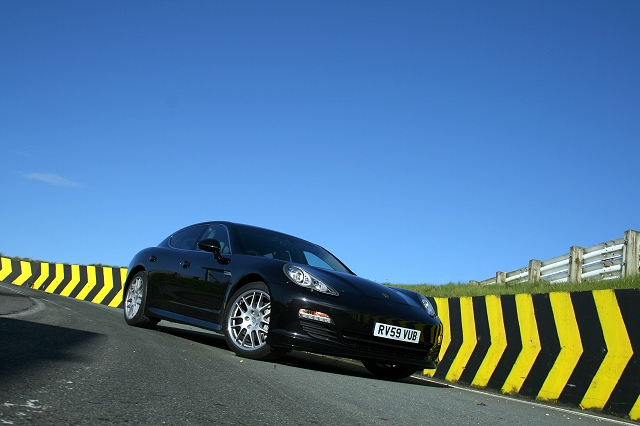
[248, 322]
[134, 297]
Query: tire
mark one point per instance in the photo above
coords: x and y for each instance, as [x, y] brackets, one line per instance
[134, 302]
[246, 323]
[389, 371]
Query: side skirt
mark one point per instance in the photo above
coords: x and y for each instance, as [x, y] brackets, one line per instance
[171, 316]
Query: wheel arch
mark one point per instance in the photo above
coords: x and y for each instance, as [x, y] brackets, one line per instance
[246, 279]
[131, 274]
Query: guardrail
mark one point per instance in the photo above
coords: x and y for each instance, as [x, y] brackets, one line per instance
[610, 260]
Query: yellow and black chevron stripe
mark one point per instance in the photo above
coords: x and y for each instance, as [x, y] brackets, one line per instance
[98, 284]
[580, 348]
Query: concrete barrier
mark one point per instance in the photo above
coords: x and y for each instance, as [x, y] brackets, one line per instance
[580, 348]
[98, 284]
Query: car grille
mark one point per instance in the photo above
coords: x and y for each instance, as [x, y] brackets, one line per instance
[318, 330]
[374, 344]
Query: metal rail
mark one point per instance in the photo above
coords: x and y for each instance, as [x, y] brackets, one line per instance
[610, 260]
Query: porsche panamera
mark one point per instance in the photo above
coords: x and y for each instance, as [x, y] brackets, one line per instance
[270, 293]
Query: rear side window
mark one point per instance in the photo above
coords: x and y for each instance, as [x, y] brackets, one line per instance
[186, 239]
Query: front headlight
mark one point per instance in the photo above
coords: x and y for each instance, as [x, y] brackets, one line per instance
[427, 305]
[305, 279]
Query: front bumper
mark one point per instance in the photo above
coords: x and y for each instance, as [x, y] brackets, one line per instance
[350, 335]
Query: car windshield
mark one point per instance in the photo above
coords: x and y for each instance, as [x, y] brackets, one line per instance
[263, 242]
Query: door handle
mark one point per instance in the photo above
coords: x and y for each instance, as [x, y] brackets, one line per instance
[186, 264]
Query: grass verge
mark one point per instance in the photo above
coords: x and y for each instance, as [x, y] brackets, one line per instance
[28, 259]
[463, 290]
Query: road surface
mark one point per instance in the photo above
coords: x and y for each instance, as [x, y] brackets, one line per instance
[66, 361]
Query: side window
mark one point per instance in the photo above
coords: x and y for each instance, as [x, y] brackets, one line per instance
[218, 232]
[186, 239]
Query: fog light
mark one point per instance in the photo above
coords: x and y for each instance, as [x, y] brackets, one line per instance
[315, 315]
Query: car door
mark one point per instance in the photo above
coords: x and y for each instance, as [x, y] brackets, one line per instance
[181, 244]
[203, 280]
[203, 283]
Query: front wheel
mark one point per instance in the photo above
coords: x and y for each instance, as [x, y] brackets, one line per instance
[246, 324]
[389, 371]
[134, 302]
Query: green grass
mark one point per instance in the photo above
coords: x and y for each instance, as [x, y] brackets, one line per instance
[462, 289]
[27, 259]
[23, 259]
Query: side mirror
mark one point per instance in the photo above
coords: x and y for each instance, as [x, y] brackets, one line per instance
[212, 246]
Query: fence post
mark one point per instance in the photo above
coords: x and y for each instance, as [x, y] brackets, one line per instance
[576, 259]
[501, 277]
[631, 254]
[534, 270]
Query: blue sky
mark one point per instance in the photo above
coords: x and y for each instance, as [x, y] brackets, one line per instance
[420, 142]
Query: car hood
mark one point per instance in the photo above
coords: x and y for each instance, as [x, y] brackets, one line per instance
[352, 284]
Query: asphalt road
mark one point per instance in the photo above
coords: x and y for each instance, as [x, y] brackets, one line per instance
[66, 361]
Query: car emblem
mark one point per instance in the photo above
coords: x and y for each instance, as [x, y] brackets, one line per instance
[385, 295]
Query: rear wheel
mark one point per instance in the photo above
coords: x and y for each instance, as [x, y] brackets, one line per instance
[389, 371]
[246, 324]
[134, 302]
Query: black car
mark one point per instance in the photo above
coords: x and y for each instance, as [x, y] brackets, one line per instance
[270, 293]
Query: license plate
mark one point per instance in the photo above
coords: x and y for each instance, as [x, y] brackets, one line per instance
[396, 333]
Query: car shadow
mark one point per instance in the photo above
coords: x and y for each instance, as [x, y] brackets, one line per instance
[346, 366]
[26, 346]
[297, 359]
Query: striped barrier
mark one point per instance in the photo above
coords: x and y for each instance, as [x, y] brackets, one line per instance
[98, 284]
[581, 348]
